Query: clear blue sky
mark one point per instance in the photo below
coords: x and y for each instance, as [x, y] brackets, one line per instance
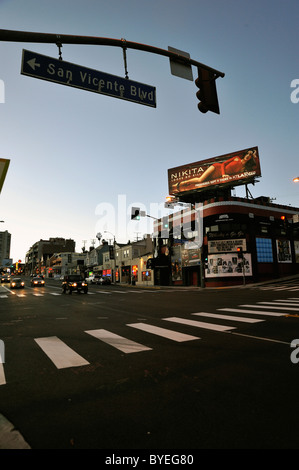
[79, 160]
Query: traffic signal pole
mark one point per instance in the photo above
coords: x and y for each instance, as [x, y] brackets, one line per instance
[60, 39]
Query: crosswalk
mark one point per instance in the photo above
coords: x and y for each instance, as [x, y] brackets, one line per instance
[227, 320]
[290, 286]
[5, 294]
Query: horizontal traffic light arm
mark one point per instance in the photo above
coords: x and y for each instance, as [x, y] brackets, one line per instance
[33, 37]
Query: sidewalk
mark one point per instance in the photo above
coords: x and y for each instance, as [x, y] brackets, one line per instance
[243, 286]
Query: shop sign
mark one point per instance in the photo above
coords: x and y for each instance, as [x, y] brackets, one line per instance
[226, 246]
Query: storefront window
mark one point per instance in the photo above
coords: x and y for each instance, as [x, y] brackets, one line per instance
[264, 250]
[147, 275]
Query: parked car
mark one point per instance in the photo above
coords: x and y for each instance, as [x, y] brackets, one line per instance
[5, 278]
[93, 279]
[37, 281]
[74, 282]
[17, 283]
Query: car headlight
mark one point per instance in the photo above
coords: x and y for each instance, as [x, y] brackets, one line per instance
[13, 284]
[74, 284]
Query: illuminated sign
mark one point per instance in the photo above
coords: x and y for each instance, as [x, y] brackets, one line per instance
[4, 164]
[227, 170]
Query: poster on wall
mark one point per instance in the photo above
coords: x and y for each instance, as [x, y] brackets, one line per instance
[229, 265]
[284, 254]
[176, 264]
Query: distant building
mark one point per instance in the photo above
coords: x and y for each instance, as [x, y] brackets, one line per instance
[61, 264]
[38, 256]
[5, 240]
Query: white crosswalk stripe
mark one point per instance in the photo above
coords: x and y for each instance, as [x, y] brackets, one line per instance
[285, 304]
[59, 353]
[198, 324]
[169, 334]
[2, 375]
[252, 312]
[270, 306]
[228, 317]
[123, 344]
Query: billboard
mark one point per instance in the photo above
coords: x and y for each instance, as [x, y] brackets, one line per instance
[226, 170]
[4, 164]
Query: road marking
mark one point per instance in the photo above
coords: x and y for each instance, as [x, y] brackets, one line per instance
[227, 317]
[55, 293]
[59, 353]
[281, 303]
[10, 437]
[254, 312]
[102, 292]
[170, 334]
[3, 296]
[2, 375]
[200, 324]
[269, 306]
[38, 295]
[123, 344]
[259, 338]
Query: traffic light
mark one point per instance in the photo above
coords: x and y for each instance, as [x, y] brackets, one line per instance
[240, 252]
[207, 94]
[135, 214]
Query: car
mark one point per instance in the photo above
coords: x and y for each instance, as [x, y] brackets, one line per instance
[104, 281]
[5, 278]
[37, 281]
[92, 279]
[17, 283]
[74, 282]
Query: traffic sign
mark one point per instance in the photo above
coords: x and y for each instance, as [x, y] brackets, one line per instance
[65, 73]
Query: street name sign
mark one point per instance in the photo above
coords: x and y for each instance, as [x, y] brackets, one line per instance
[65, 73]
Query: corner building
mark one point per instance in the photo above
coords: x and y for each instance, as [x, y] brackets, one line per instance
[227, 241]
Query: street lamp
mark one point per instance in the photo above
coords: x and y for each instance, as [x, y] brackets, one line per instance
[296, 180]
[106, 231]
[114, 270]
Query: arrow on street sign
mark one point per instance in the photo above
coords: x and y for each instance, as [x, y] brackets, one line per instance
[32, 63]
[65, 73]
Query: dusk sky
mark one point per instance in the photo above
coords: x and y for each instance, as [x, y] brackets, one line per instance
[79, 160]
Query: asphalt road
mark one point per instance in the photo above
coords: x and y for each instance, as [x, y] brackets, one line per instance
[168, 368]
